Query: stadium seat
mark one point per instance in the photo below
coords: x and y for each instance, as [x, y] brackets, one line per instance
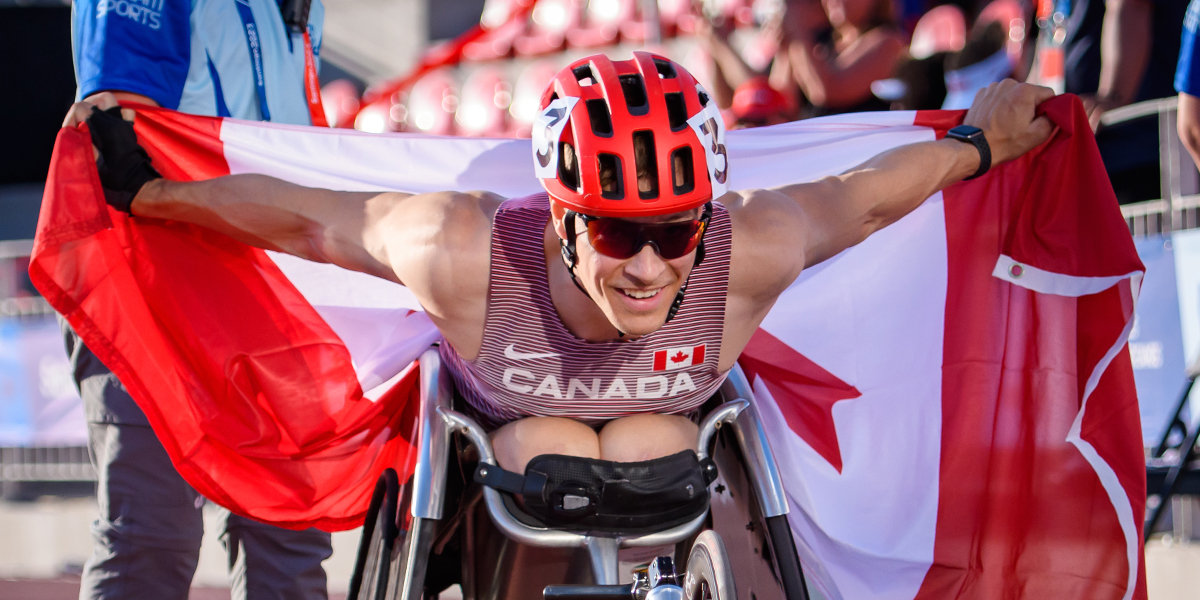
[688, 18]
[340, 99]
[1011, 17]
[942, 29]
[498, 41]
[486, 96]
[527, 93]
[602, 23]
[550, 22]
[432, 104]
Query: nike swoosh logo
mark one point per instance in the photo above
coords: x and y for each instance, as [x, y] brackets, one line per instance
[511, 353]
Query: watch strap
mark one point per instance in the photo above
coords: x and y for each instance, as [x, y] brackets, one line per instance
[975, 137]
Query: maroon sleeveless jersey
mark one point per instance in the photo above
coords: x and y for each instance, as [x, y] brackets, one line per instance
[530, 365]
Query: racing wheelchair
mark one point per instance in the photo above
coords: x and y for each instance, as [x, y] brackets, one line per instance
[555, 533]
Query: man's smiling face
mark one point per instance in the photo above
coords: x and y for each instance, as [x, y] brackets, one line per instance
[635, 293]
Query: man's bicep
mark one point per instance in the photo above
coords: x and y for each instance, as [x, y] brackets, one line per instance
[829, 217]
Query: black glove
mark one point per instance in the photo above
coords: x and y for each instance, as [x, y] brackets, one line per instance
[124, 166]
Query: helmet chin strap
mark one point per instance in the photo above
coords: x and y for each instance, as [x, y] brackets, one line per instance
[571, 258]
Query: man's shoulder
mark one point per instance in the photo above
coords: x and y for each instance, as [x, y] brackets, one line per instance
[460, 219]
[768, 231]
[439, 244]
[758, 207]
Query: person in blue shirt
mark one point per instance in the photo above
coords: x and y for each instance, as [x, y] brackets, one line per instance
[249, 59]
[1119, 52]
[1187, 83]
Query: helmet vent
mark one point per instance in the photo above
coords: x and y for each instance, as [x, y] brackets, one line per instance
[682, 172]
[583, 74]
[665, 70]
[634, 90]
[676, 111]
[703, 97]
[598, 115]
[568, 166]
[646, 160]
[611, 177]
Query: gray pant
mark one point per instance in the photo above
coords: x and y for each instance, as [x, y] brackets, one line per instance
[147, 539]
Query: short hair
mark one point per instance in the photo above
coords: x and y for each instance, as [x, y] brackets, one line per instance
[645, 164]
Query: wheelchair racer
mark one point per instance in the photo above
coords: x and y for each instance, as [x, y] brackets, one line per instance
[592, 319]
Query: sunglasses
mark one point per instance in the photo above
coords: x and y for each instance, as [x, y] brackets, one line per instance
[621, 239]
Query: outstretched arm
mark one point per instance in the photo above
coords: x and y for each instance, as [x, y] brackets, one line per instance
[400, 237]
[314, 224]
[841, 211]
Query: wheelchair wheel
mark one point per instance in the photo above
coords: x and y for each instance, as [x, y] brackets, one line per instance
[372, 566]
[709, 576]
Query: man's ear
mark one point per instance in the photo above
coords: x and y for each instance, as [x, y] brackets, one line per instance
[557, 214]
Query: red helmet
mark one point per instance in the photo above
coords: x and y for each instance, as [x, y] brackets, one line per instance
[594, 114]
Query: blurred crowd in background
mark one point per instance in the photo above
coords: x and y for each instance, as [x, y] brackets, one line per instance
[774, 61]
[479, 68]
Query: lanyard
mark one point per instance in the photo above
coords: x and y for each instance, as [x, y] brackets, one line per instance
[260, 78]
[312, 86]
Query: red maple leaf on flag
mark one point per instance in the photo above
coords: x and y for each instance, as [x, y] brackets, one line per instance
[679, 357]
[804, 391]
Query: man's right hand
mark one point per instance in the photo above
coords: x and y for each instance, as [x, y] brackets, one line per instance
[123, 165]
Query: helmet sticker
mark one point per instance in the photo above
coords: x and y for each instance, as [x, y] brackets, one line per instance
[710, 129]
[547, 127]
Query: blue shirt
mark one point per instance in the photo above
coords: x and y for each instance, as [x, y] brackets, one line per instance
[1187, 72]
[195, 55]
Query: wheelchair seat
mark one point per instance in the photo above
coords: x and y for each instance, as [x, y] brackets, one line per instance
[396, 567]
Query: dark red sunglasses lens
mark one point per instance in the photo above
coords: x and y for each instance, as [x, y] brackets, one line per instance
[614, 237]
[623, 239]
[677, 239]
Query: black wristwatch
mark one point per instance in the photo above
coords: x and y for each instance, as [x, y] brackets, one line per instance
[974, 136]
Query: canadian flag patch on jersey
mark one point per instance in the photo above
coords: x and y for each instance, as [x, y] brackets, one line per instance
[678, 358]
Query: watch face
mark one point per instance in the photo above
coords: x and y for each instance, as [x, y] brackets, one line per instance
[965, 131]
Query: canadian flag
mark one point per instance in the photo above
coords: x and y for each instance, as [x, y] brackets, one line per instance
[951, 402]
[678, 358]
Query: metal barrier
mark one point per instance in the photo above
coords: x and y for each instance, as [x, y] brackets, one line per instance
[32, 464]
[1179, 205]
[70, 463]
[1173, 496]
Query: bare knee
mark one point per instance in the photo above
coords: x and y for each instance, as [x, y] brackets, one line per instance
[519, 441]
[644, 437]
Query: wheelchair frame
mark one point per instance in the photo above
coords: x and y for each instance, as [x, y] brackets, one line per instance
[438, 421]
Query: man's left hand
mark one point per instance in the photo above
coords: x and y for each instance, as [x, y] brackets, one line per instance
[1005, 111]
